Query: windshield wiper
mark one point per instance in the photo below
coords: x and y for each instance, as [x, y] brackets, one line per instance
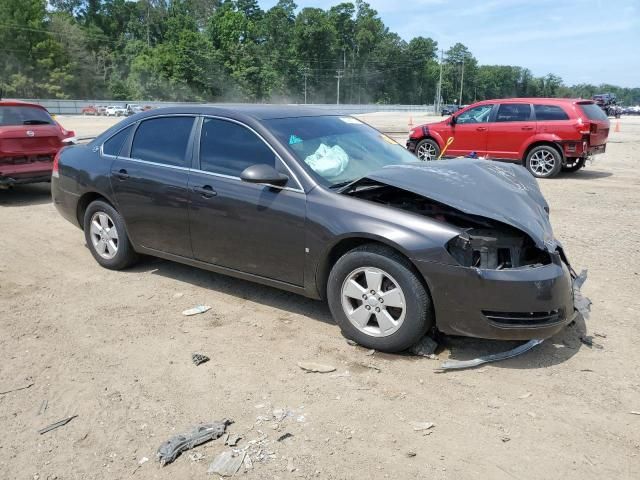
[35, 122]
[341, 184]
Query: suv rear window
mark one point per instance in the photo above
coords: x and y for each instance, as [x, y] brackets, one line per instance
[19, 115]
[550, 112]
[593, 111]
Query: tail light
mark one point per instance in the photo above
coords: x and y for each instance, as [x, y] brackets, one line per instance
[56, 161]
[594, 128]
[583, 129]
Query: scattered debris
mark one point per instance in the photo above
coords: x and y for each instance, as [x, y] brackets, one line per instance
[196, 310]
[196, 456]
[227, 463]
[505, 438]
[526, 395]
[248, 464]
[316, 367]
[411, 454]
[351, 342]
[519, 350]
[284, 437]
[17, 389]
[169, 450]
[178, 295]
[425, 347]
[43, 406]
[232, 439]
[421, 426]
[57, 424]
[290, 466]
[370, 366]
[601, 335]
[588, 341]
[581, 303]
[198, 358]
[370, 352]
[341, 375]
[143, 460]
[634, 412]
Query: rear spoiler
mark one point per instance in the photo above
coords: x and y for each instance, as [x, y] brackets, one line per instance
[78, 139]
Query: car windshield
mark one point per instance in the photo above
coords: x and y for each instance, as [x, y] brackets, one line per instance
[23, 115]
[338, 150]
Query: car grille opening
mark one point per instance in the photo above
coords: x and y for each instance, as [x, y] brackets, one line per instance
[524, 319]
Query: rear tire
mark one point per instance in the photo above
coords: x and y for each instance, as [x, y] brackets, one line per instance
[106, 236]
[574, 165]
[427, 150]
[544, 161]
[391, 326]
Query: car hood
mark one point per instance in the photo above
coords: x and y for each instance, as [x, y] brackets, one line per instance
[503, 192]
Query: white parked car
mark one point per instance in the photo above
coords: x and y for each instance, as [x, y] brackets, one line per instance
[115, 111]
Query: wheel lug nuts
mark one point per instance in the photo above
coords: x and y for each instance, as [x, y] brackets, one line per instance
[377, 309]
[364, 297]
[372, 292]
[381, 300]
[367, 307]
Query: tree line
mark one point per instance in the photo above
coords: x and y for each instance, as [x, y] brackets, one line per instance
[232, 50]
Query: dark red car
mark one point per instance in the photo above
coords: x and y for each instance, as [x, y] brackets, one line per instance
[29, 140]
[546, 135]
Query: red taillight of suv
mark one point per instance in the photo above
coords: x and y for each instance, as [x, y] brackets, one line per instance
[56, 160]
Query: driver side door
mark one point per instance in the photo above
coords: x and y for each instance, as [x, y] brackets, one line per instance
[470, 132]
[251, 228]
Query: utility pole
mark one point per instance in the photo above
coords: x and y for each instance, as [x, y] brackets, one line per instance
[305, 74]
[339, 75]
[439, 89]
[461, 82]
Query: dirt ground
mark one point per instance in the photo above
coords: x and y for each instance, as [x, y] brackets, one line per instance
[114, 349]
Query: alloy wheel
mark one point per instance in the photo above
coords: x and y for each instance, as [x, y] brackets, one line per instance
[104, 235]
[426, 152]
[542, 162]
[373, 301]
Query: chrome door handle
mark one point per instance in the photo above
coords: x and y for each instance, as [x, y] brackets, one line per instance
[206, 191]
[121, 174]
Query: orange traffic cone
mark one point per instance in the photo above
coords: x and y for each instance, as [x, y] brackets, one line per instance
[617, 129]
[410, 121]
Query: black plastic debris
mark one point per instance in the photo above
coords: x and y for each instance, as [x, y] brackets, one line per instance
[198, 358]
[519, 350]
[169, 450]
[57, 424]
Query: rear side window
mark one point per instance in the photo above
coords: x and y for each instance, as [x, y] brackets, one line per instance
[163, 140]
[115, 143]
[228, 148]
[24, 115]
[550, 112]
[593, 111]
[513, 112]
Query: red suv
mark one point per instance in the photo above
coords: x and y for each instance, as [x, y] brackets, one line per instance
[546, 135]
[29, 140]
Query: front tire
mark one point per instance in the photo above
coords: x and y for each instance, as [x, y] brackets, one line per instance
[106, 236]
[378, 300]
[544, 161]
[427, 150]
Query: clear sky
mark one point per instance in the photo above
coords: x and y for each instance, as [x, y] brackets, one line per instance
[583, 41]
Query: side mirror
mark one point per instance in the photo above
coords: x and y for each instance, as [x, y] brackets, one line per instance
[262, 173]
[452, 120]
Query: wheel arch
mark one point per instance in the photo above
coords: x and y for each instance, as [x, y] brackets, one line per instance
[346, 244]
[551, 142]
[84, 202]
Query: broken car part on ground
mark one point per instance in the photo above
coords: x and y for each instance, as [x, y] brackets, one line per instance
[169, 450]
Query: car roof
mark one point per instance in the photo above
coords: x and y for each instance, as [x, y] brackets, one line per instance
[19, 103]
[538, 100]
[257, 112]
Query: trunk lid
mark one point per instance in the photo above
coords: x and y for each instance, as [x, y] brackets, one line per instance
[28, 141]
[597, 120]
[503, 192]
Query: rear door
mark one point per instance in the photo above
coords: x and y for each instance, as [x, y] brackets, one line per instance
[512, 126]
[149, 179]
[470, 131]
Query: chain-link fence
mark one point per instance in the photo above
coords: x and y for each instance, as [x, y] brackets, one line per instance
[74, 107]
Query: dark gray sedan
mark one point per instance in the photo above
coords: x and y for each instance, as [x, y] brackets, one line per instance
[327, 207]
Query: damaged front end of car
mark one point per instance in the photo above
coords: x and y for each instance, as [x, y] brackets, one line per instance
[505, 276]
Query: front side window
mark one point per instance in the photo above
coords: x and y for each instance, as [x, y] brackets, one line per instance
[513, 112]
[550, 112]
[228, 148]
[24, 115]
[479, 114]
[115, 143]
[163, 140]
[337, 150]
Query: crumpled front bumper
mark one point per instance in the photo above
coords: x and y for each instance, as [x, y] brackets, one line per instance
[510, 304]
